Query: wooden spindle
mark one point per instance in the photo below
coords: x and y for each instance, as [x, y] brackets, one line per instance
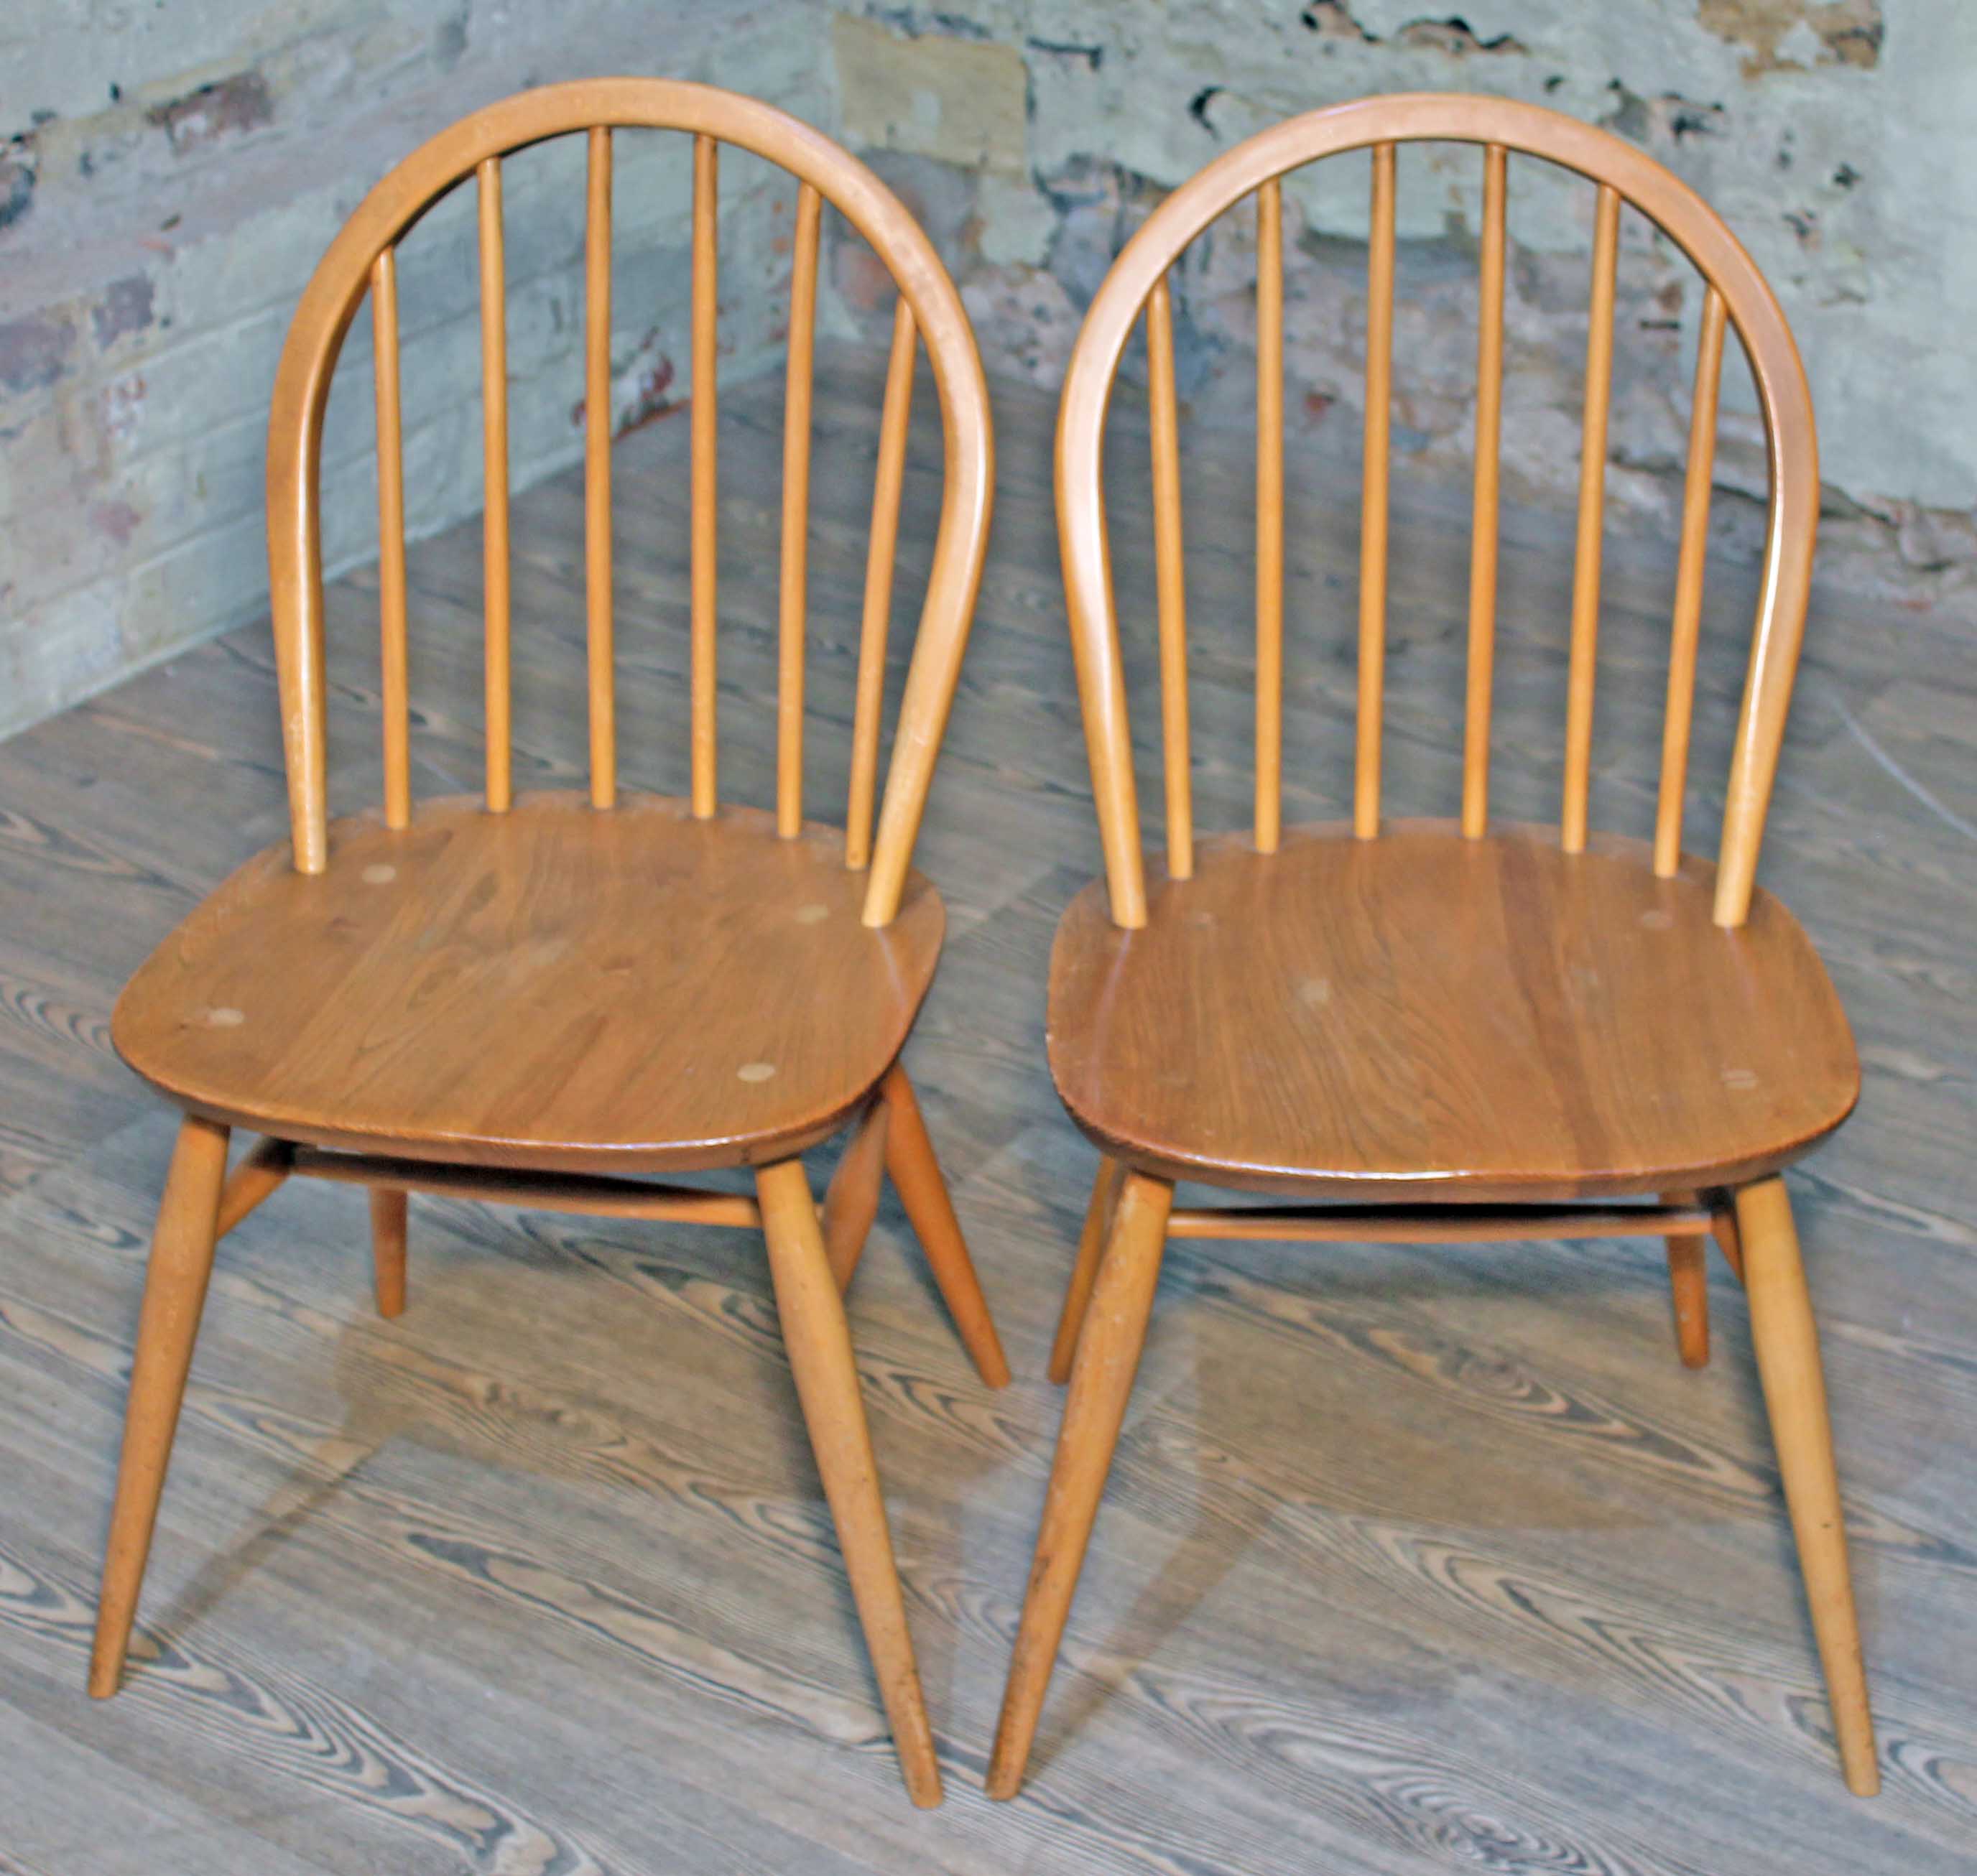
[796, 516]
[494, 426]
[1484, 525]
[1169, 578]
[1689, 586]
[1592, 520]
[394, 689]
[705, 577]
[894, 418]
[597, 474]
[1270, 514]
[1375, 473]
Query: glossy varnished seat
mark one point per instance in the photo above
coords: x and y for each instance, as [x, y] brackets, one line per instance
[553, 988]
[1426, 1017]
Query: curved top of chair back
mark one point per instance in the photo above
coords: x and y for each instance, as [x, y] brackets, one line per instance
[1138, 281]
[362, 259]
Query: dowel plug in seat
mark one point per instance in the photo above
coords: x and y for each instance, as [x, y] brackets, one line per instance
[1426, 1017]
[551, 988]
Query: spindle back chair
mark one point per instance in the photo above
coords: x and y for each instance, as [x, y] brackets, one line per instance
[528, 1000]
[1493, 1024]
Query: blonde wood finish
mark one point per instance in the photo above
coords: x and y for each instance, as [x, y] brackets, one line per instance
[262, 1172]
[1084, 1272]
[1374, 502]
[1171, 578]
[174, 1297]
[597, 474]
[796, 516]
[1427, 1017]
[706, 568]
[394, 704]
[494, 518]
[1482, 538]
[826, 1372]
[1788, 1345]
[1425, 1012]
[851, 1201]
[672, 993]
[1694, 552]
[1722, 1228]
[1101, 1379]
[1250, 169]
[1269, 515]
[315, 338]
[1591, 523]
[916, 1177]
[389, 1207]
[891, 480]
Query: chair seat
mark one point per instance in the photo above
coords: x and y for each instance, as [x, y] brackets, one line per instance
[1422, 1017]
[558, 988]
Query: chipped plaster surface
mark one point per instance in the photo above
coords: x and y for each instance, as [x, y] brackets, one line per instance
[1835, 137]
[168, 177]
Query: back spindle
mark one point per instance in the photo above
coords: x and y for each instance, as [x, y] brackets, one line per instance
[1374, 498]
[1591, 518]
[494, 425]
[796, 516]
[894, 418]
[1269, 514]
[705, 575]
[597, 474]
[1688, 585]
[393, 688]
[1483, 532]
[1170, 580]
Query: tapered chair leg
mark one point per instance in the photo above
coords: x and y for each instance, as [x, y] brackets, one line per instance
[388, 1206]
[851, 1200]
[915, 1175]
[260, 1174]
[1101, 1378]
[827, 1376]
[1787, 1347]
[1688, 1289]
[174, 1295]
[1085, 1271]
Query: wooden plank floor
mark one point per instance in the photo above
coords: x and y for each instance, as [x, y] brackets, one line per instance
[1414, 1560]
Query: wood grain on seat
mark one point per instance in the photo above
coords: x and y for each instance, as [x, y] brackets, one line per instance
[1426, 1015]
[556, 988]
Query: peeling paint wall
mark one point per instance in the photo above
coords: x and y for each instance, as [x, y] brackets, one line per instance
[169, 176]
[1836, 136]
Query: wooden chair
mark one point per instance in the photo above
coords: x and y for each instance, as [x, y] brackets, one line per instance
[545, 1000]
[1420, 1030]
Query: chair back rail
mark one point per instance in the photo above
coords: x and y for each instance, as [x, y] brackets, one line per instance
[1736, 295]
[362, 259]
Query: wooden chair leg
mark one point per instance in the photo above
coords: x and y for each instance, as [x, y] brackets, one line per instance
[263, 1170]
[1688, 1288]
[388, 1206]
[819, 1341]
[1085, 1271]
[915, 1175]
[1722, 1228]
[1101, 1378]
[1788, 1345]
[851, 1200]
[174, 1295]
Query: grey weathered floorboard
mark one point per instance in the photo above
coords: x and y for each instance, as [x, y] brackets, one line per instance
[1414, 1559]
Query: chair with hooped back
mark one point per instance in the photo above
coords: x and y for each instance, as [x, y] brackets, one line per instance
[549, 1000]
[1419, 1030]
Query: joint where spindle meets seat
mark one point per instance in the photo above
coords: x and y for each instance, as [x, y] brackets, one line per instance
[547, 998]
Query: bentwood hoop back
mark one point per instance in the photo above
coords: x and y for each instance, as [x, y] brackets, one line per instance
[544, 1000]
[1452, 1029]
